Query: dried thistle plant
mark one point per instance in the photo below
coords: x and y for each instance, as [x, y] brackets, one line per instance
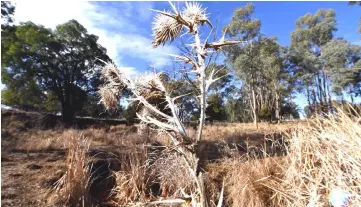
[157, 107]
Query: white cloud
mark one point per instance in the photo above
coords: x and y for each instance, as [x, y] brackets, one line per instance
[115, 25]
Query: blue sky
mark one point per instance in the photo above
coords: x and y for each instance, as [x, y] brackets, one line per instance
[124, 28]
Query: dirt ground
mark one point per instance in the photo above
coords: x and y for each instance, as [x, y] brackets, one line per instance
[28, 177]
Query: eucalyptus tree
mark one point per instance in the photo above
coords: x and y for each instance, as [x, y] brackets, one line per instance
[168, 26]
[343, 65]
[311, 33]
[244, 58]
[260, 65]
[278, 84]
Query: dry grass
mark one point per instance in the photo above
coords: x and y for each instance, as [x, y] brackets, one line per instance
[73, 187]
[321, 157]
[133, 180]
[245, 181]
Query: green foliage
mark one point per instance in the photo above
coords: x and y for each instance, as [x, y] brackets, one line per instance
[63, 61]
[237, 106]
[214, 110]
[130, 113]
[28, 93]
[51, 103]
[290, 109]
[341, 58]
[265, 113]
[314, 30]
[242, 26]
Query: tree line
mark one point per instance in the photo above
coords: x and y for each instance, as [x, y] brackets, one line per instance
[59, 70]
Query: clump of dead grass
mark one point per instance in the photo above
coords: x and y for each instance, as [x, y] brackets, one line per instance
[321, 157]
[73, 187]
[133, 179]
[246, 178]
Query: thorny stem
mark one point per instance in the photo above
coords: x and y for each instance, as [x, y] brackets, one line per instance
[203, 89]
[180, 126]
[202, 82]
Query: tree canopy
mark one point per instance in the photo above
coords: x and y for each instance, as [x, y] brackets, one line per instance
[64, 61]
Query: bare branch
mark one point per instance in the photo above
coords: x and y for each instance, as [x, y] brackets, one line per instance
[218, 45]
[186, 60]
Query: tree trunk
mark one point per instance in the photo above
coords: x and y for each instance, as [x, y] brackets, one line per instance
[326, 91]
[308, 95]
[254, 108]
[67, 113]
[315, 104]
[277, 109]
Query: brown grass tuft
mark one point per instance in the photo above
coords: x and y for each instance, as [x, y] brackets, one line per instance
[245, 181]
[73, 187]
[133, 179]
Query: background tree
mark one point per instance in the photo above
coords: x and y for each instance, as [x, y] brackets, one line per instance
[262, 66]
[244, 58]
[214, 110]
[63, 61]
[312, 32]
[341, 60]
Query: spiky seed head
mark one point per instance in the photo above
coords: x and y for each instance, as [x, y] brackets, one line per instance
[109, 96]
[165, 28]
[194, 13]
[110, 93]
[152, 86]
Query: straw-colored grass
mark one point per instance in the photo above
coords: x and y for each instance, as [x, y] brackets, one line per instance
[324, 156]
[73, 187]
[245, 181]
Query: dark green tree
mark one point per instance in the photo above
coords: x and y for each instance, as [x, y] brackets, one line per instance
[215, 109]
[64, 61]
[343, 65]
